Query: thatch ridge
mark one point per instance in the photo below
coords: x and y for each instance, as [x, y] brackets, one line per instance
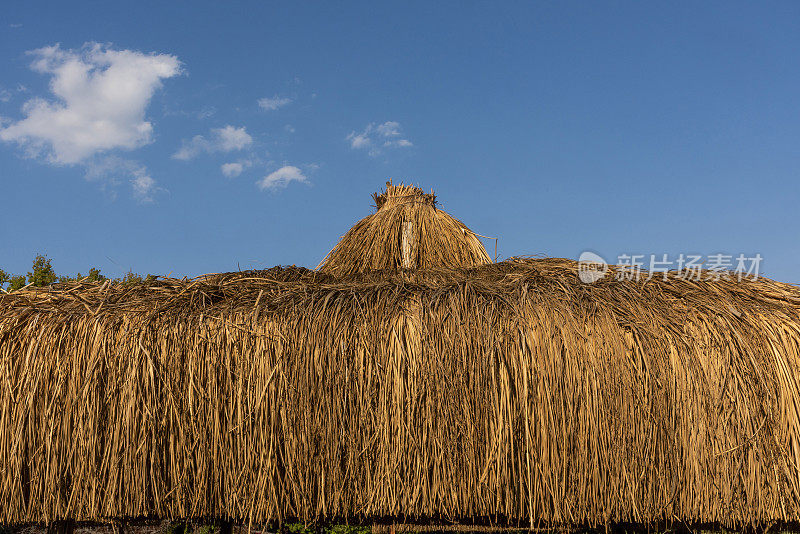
[407, 231]
[511, 389]
[235, 288]
[402, 194]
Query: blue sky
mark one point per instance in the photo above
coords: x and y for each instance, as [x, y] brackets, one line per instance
[620, 128]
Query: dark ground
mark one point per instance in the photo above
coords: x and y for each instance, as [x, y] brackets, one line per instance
[176, 527]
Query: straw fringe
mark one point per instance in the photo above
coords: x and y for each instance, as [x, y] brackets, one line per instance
[508, 390]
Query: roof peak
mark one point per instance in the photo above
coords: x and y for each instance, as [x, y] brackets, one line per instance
[400, 194]
[406, 232]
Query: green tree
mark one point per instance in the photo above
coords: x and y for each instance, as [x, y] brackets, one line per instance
[16, 282]
[95, 276]
[4, 277]
[43, 274]
[132, 278]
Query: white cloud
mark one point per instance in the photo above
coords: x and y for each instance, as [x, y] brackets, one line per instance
[231, 138]
[281, 178]
[386, 135]
[100, 98]
[276, 102]
[5, 95]
[232, 170]
[225, 139]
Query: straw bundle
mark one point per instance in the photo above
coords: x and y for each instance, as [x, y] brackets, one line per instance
[508, 390]
[406, 232]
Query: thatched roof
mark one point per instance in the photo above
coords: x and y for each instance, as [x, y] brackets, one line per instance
[407, 231]
[508, 390]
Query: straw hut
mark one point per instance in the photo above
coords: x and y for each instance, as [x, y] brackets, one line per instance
[408, 376]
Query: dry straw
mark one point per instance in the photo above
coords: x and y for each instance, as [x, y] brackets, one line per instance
[406, 232]
[507, 390]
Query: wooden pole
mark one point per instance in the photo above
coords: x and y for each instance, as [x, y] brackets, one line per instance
[408, 246]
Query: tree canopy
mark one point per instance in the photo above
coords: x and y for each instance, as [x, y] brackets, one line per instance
[42, 274]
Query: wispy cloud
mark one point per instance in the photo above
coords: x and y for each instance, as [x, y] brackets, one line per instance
[201, 114]
[273, 103]
[143, 187]
[99, 98]
[113, 170]
[388, 129]
[361, 140]
[281, 178]
[225, 139]
[206, 112]
[379, 136]
[234, 169]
